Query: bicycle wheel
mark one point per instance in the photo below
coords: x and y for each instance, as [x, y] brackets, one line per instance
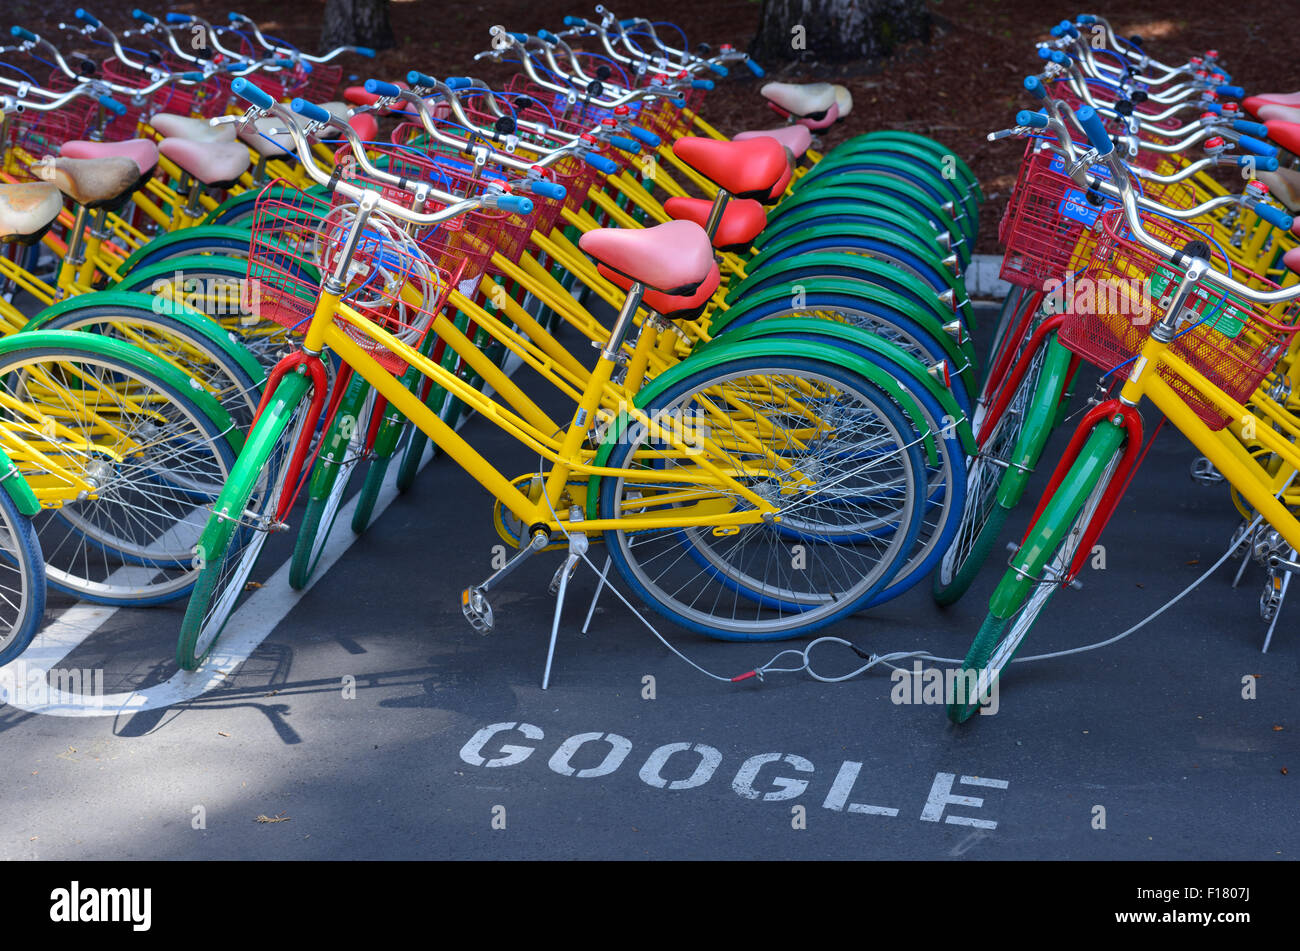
[1038, 568]
[932, 409]
[243, 515]
[22, 581]
[839, 541]
[125, 455]
[983, 517]
[185, 339]
[219, 288]
[340, 452]
[218, 240]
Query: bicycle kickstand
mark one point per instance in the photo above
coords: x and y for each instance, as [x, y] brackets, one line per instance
[577, 549]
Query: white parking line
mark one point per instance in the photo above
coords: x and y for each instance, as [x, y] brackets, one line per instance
[247, 628]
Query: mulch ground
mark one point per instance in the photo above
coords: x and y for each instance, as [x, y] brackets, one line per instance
[958, 87]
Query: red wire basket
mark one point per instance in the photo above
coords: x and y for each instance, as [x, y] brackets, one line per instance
[1233, 343]
[319, 85]
[1049, 227]
[34, 135]
[470, 239]
[203, 100]
[296, 243]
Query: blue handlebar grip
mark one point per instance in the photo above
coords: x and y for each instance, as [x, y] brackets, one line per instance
[718, 69]
[417, 78]
[624, 24]
[112, 105]
[1260, 163]
[1227, 77]
[245, 90]
[1095, 129]
[521, 37]
[234, 17]
[1087, 19]
[755, 68]
[22, 34]
[549, 190]
[458, 82]
[281, 63]
[1232, 92]
[1256, 147]
[600, 163]
[193, 76]
[377, 87]
[310, 110]
[1257, 129]
[365, 51]
[1056, 31]
[234, 67]
[1061, 59]
[624, 143]
[1214, 107]
[1274, 216]
[1035, 88]
[1035, 120]
[304, 65]
[85, 16]
[645, 135]
[1044, 53]
[143, 17]
[574, 21]
[679, 102]
[178, 18]
[548, 36]
[515, 204]
[701, 83]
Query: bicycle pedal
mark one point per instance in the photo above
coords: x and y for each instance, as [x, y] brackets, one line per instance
[1270, 599]
[559, 573]
[474, 605]
[1203, 472]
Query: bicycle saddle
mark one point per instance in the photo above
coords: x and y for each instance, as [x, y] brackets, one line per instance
[95, 183]
[674, 258]
[747, 169]
[675, 306]
[825, 121]
[141, 151]
[27, 210]
[1280, 113]
[218, 164]
[1252, 103]
[800, 99]
[796, 138]
[363, 124]
[173, 126]
[1284, 185]
[1285, 134]
[742, 220]
[269, 140]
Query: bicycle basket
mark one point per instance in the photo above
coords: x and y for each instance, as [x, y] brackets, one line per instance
[391, 283]
[1234, 344]
[471, 238]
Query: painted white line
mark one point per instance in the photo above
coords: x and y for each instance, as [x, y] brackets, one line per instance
[247, 628]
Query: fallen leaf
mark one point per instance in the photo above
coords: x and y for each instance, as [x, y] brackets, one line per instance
[220, 733]
[280, 818]
[1194, 561]
[252, 585]
[1139, 584]
[1276, 728]
[1284, 771]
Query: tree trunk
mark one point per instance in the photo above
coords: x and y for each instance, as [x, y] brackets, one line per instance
[356, 23]
[837, 30]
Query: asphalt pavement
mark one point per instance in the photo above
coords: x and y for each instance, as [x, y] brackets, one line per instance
[365, 719]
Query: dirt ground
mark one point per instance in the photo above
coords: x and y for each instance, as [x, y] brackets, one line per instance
[958, 87]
